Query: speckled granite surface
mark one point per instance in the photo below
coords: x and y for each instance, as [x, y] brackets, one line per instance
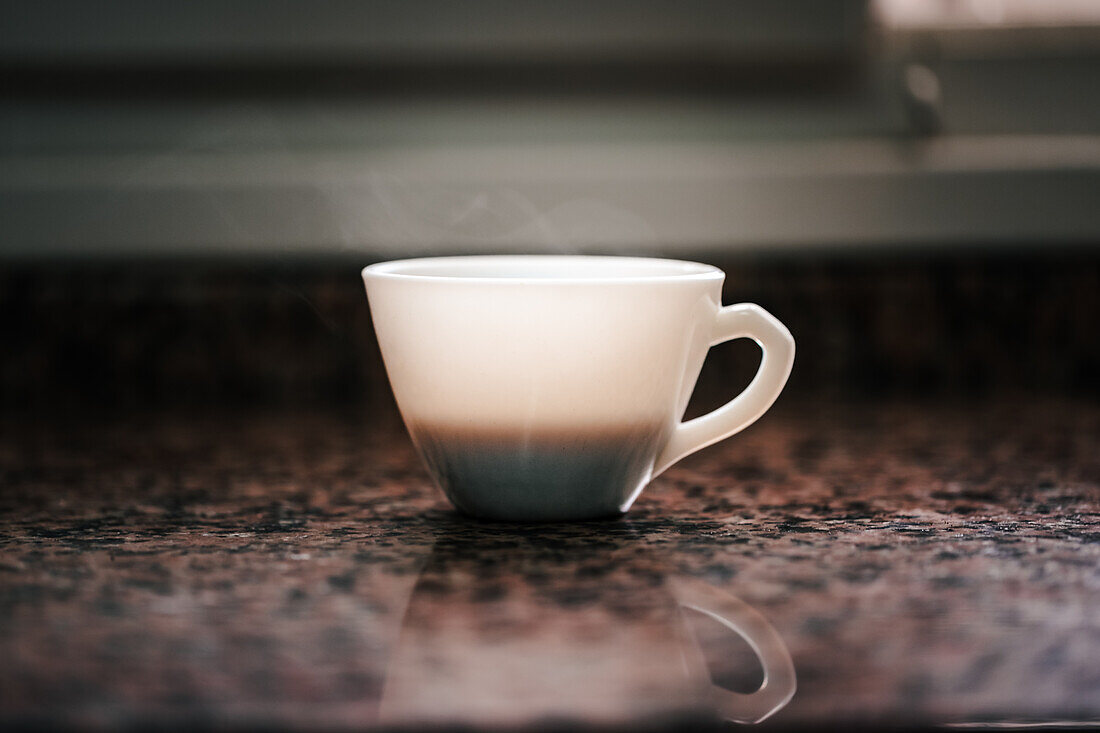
[923, 564]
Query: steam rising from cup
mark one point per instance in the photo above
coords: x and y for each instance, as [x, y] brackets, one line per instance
[414, 218]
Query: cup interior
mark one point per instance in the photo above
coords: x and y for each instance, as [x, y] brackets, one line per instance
[557, 268]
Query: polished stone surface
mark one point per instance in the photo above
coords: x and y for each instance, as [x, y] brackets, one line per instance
[922, 564]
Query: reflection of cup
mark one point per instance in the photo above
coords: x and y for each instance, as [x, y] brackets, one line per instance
[779, 683]
[508, 626]
[550, 388]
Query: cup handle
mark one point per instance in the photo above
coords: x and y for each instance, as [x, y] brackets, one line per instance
[744, 320]
[780, 682]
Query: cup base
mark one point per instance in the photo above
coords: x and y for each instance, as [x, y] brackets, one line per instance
[532, 476]
[497, 518]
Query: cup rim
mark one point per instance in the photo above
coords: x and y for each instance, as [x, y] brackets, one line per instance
[472, 269]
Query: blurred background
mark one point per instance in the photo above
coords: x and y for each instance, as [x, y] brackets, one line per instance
[188, 190]
[211, 518]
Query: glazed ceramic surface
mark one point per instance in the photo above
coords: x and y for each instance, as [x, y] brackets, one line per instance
[552, 387]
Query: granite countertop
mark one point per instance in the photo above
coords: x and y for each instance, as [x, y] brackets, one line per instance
[922, 564]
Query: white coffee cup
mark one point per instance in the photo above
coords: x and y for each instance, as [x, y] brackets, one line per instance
[540, 388]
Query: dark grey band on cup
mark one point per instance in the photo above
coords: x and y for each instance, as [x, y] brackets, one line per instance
[539, 475]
